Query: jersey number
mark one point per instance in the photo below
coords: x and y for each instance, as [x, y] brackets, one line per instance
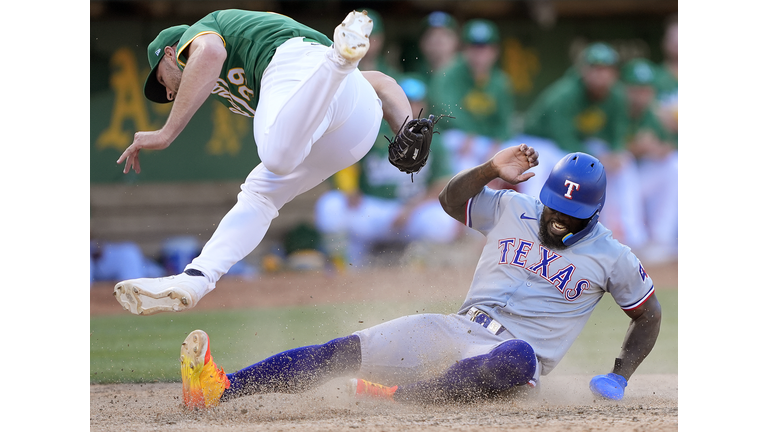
[239, 99]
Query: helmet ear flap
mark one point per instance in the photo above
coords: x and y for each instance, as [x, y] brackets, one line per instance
[572, 238]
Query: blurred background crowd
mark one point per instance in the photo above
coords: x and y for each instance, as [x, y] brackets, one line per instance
[613, 102]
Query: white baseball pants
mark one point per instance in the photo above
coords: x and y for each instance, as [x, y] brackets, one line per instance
[313, 119]
[417, 347]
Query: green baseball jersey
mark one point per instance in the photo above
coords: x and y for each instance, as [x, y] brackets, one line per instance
[250, 39]
[481, 108]
[665, 83]
[647, 121]
[379, 178]
[564, 113]
[666, 92]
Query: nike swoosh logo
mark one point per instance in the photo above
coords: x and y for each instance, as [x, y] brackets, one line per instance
[523, 216]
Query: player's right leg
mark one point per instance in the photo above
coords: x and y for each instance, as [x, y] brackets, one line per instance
[509, 365]
[408, 350]
[350, 39]
[299, 89]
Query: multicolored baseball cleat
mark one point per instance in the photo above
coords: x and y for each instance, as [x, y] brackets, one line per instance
[350, 38]
[202, 381]
[147, 296]
[362, 388]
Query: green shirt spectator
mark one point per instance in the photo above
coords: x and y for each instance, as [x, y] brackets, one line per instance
[586, 103]
[473, 89]
[645, 133]
[438, 44]
[655, 155]
[666, 81]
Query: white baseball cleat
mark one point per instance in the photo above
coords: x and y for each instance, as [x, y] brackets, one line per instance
[350, 39]
[149, 296]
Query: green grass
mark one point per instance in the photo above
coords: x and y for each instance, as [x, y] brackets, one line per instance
[126, 348]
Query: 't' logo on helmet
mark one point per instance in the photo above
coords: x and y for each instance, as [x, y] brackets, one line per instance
[571, 187]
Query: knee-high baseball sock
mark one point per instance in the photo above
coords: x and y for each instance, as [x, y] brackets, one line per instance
[298, 369]
[508, 365]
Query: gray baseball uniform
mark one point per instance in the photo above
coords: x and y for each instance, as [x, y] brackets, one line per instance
[541, 296]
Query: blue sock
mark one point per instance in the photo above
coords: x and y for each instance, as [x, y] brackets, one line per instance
[508, 365]
[298, 369]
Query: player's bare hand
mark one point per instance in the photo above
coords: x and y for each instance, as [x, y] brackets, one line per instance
[154, 140]
[513, 162]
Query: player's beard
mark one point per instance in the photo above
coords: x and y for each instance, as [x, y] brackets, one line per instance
[554, 242]
[548, 240]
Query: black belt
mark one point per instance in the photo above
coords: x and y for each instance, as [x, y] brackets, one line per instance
[476, 315]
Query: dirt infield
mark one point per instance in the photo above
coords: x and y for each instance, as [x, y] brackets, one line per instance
[562, 403]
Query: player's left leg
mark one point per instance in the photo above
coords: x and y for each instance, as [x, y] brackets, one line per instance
[205, 385]
[298, 369]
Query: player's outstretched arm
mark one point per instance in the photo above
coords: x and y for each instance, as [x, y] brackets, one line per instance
[394, 103]
[640, 338]
[638, 343]
[509, 164]
[205, 58]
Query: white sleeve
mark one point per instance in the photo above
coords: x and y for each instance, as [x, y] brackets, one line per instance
[629, 284]
[484, 209]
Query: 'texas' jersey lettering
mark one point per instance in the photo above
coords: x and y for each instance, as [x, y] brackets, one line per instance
[515, 252]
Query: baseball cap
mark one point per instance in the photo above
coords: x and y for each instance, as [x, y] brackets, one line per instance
[599, 54]
[638, 72]
[153, 90]
[414, 88]
[439, 19]
[480, 32]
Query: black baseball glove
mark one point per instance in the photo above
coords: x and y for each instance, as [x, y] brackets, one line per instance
[409, 150]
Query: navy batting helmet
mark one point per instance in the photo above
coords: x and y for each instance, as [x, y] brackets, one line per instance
[576, 187]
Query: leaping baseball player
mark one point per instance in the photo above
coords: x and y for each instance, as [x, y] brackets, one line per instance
[314, 114]
[545, 266]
